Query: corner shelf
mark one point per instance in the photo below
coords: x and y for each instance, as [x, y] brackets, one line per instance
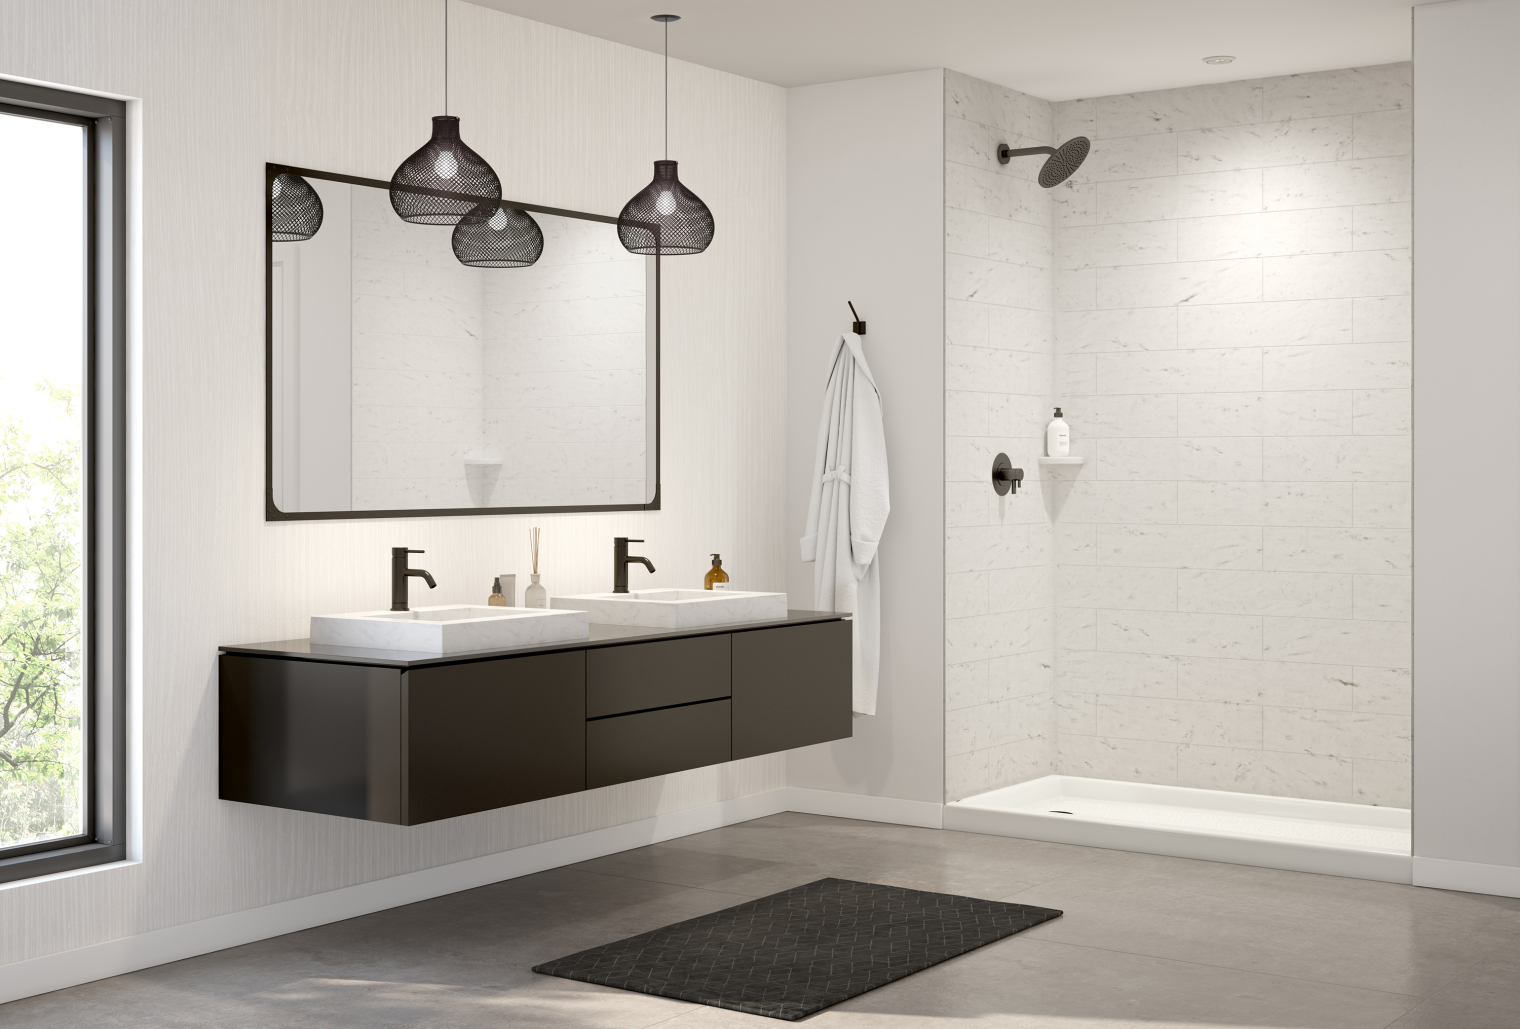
[1048, 462]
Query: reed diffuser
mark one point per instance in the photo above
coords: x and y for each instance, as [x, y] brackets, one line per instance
[535, 595]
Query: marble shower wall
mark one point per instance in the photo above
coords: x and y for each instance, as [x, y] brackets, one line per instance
[1233, 580]
[999, 350]
[417, 351]
[564, 371]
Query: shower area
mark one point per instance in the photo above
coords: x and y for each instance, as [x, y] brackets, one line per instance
[1192, 638]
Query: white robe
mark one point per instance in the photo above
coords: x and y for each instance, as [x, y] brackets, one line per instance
[848, 509]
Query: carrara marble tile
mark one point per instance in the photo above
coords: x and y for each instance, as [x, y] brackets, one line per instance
[1382, 226]
[1374, 180]
[1219, 458]
[1384, 133]
[1265, 503]
[1175, 110]
[1267, 234]
[1182, 196]
[1131, 157]
[1309, 594]
[1347, 91]
[1179, 546]
[1282, 323]
[1348, 366]
[1317, 276]
[1180, 371]
[1194, 282]
[1370, 551]
[1382, 319]
[1100, 757]
[1382, 504]
[1338, 458]
[1384, 598]
[1339, 641]
[1265, 144]
[1143, 328]
[1097, 671]
[1270, 683]
[1181, 633]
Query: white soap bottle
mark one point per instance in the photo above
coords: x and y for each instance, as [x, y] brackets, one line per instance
[1057, 437]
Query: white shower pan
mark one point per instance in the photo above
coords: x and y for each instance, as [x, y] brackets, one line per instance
[1355, 840]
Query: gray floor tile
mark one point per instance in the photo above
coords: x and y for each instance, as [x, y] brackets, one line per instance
[1147, 941]
[1351, 932]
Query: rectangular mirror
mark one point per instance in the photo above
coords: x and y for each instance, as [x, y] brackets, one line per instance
[401, 382]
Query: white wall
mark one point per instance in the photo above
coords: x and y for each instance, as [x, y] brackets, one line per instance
[1234, 581]
[348, 86]
[999, 349]
[1467, 496]
[865, 177]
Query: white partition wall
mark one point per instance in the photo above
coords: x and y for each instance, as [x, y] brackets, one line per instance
[1467, 450]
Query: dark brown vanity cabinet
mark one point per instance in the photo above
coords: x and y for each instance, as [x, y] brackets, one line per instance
[412, 741]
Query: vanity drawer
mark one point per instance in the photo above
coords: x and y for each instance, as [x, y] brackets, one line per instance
[628, 747]
[641, 676]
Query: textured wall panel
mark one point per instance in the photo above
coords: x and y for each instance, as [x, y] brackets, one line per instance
[348, 86]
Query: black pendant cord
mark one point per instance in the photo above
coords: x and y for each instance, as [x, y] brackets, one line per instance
[445, 56]
[667, 91]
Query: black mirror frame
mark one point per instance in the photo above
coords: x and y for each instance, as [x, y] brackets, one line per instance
[272, 513]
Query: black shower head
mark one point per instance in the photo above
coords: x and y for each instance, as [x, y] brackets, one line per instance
[1063, 161]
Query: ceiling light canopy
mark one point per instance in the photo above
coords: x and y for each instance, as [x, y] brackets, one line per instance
[1219, 59]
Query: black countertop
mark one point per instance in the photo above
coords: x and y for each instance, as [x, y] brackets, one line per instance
[601, 636]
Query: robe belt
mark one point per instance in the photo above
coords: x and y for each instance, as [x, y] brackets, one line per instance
[833, 474]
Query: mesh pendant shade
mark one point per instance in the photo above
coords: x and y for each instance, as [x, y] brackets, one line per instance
[492, 236]
[295, 210]
[665, 219]
[444, 163]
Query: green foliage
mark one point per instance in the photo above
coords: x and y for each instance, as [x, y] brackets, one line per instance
[41, 580]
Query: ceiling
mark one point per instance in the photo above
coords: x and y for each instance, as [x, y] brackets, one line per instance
[1056, 49]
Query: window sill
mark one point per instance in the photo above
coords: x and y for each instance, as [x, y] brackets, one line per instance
[67, 859]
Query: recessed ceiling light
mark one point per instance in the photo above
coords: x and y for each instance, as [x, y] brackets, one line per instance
[1221, 59]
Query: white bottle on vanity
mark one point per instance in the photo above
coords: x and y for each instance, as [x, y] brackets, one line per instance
[1057, 437]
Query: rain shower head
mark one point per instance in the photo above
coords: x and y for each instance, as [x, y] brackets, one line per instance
[1063, 161]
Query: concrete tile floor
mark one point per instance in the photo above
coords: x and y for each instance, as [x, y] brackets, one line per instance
[1153, 942]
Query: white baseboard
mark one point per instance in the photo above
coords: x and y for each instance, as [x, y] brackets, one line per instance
[87, 964]
[871, 809]
[1467, 876]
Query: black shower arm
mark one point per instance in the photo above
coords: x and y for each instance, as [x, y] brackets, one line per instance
[1004, 153]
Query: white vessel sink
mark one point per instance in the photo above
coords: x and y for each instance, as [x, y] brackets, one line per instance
[676, 609]
[449, 629]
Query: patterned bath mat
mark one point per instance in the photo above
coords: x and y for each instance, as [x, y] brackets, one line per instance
[793, 953]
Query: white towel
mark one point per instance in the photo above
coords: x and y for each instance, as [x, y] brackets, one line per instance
[848, 509]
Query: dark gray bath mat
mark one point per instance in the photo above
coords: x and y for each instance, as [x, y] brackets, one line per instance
[794, 953]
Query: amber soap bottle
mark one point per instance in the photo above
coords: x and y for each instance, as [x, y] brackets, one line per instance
[717, 578]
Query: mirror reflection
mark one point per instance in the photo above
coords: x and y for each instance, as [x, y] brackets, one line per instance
[404, 381]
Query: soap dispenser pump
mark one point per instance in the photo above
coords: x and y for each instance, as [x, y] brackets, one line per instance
[717, 578]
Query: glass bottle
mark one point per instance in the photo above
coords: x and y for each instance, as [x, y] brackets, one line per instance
[717, 578]
[535, 595]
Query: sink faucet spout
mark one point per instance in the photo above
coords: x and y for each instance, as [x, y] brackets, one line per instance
[400, 573]
[621, 559]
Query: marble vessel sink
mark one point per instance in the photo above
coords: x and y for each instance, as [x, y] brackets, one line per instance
[676, 609]
[449, 628]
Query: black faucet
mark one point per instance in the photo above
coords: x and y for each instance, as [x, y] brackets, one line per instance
[621, 559]
[400, 573]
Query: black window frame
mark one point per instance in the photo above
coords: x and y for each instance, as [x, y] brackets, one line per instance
[105, 482]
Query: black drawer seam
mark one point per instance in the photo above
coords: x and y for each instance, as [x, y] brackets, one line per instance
[667, 707]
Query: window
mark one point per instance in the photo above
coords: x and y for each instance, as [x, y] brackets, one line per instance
[62, 342]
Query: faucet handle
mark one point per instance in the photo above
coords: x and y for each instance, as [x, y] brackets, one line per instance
[633, 541]
[416, 551]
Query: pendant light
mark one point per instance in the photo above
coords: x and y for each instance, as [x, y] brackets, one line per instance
[443, 163]
[492, 236]
[665, 219]
[295, 209]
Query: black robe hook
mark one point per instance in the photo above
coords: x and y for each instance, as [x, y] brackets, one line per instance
[858, 327]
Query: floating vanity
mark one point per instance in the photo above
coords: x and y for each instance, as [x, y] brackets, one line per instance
[405, 737]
